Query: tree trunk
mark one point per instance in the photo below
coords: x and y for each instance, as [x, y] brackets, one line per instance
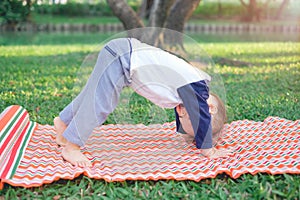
[247, 17]
[28, 11]
[159, 12]
[253, 11]
[144, 10]
[126, 14]
[164, 15]
[158, 15]
[283, 5]
[180, 12]
[220, 10]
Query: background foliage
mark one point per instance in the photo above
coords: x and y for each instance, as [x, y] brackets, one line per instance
[16, 11]
[13, 11]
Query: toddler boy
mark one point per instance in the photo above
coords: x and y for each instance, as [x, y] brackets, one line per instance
[161, 77]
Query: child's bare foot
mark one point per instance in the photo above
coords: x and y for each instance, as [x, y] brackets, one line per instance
[60, 127]
[71, 153]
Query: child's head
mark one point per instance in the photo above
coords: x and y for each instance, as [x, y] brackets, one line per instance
[218, 115]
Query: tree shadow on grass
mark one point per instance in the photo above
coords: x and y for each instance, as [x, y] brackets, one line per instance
[259, 59]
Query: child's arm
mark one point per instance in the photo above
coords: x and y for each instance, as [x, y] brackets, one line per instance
[194, 97]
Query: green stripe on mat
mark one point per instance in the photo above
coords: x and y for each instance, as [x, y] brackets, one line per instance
[11, 124]
[24, 145]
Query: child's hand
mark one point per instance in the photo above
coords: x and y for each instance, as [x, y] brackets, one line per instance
[215, 153]
[187, 138]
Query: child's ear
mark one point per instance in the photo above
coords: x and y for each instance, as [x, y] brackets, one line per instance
[180, 110]
[213, 109]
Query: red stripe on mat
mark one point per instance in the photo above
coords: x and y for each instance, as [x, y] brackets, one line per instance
[12, 133]
[14, 152]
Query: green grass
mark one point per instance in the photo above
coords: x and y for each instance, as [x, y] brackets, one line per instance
[261, 80]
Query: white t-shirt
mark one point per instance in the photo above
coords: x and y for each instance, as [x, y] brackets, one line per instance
[157, 74]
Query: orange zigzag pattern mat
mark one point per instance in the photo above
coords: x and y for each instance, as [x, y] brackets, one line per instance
[138, 152]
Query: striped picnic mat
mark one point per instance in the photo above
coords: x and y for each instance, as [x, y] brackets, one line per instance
[30, 157]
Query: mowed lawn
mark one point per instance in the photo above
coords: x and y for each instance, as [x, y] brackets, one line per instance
[261, 79]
